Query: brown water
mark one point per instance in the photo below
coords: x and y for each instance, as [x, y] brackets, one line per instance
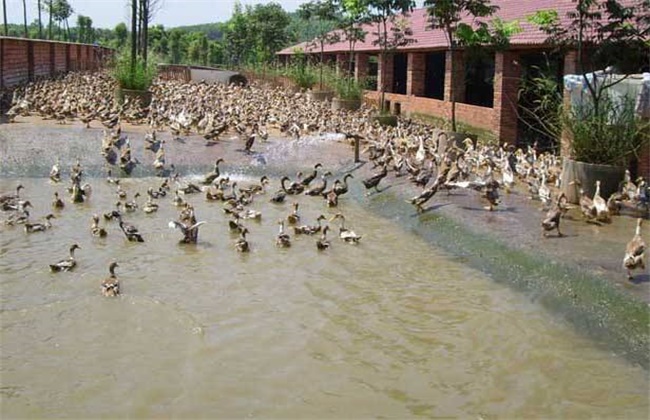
[389, 328]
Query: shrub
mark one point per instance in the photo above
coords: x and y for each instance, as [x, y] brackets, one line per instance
[139, 78]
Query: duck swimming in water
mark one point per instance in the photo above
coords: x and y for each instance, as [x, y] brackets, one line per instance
[322, 243]
[95, 230]
[111, 285]
[190, 233]
[68, 264]
[345, 234]
[130, 231]
[57, 203]
[294, 217]
[40, 227]
[241, 244]
[283, 239]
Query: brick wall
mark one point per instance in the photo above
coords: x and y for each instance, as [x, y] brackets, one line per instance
[507, 75]
[22, 60]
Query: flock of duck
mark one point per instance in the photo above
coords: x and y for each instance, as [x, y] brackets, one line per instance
[423, 154]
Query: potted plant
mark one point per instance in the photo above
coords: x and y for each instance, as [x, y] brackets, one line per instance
[388, 39]
[600, 133]
[447, 15]
[322, 13]
[133, 81]
[353, 14]
[349, 93]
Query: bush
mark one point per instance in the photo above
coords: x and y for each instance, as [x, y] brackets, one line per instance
[610, 136]
[139, 78]
[304, 76]
[346, 87]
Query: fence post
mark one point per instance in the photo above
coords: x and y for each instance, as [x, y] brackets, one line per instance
[52, 59]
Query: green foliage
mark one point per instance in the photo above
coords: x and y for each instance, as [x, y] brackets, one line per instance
[609, 135]
[138, 78]
[346, 87]
[213, 31]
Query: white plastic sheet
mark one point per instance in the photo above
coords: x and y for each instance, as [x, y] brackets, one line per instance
[636, 87]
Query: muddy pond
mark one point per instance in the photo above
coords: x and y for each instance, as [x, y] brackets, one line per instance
[392, 327]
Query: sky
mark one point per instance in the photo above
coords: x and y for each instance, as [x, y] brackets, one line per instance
[108, 13]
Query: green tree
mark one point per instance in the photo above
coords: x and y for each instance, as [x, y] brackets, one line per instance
[354, 13]
[235, 34]
[85, 31]
[175, 46]
[320, 13]
[268, 23]
[121, 34]
[447, 15]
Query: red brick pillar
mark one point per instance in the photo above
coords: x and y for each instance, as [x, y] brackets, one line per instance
[385, 77]
[458, 78]
[415, 74]
[570, 67]
[507, 76]
[2, 63]
[361, 66]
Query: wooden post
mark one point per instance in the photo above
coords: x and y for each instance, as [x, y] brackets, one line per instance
[356, 149]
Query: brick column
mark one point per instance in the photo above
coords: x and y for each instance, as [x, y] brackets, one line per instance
[570, 67]
[388, 62]
[507, 76]
[30, 61]
[361, 66]
[415, 74]
[458, 78]
[2, 63]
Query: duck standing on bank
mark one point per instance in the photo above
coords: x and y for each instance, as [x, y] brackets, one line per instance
[635, 251]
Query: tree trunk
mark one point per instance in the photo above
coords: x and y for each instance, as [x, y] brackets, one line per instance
[40, 22]
[49, 29]
[452, 99]
[25, 18]
[145, 30]
[134, 34]
[4, 12]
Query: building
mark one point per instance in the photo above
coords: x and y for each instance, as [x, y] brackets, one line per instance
[418, 77]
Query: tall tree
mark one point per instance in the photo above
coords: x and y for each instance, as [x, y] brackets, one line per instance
[40, 22]
[4, 15]
[321, 13]
[134, 33]
[447, 16]
[354, 15]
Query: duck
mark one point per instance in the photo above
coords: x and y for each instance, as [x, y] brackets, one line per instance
[40, 227]
[55, 173]
[150, 206]
[375, 179]
[95, 230]
[67, 264]
[419, 200]
[131, 206]
[111, 285]
[294, 217]
[345, 234]
[211, 176]
[322, 243]
[295, 187]
[553, 217]
[279, 196]
[9, 200]
[190, 233]
[319, 189]
[587, 206]
[332, 198]
[111, 179]
[241, 244]
[234, 224]
[341, 187]
[257, 188]
[309, 178]
[178, 200]
[57, 203]
[635, 251]
[602, 211]
[310, 229]
[491, 194]
[130, 231]
[114, 214]
[283, 239]
[119, 191]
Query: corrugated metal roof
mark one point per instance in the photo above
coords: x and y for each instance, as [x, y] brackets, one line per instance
[426, 38]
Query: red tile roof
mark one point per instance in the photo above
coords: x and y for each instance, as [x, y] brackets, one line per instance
[509, 10]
